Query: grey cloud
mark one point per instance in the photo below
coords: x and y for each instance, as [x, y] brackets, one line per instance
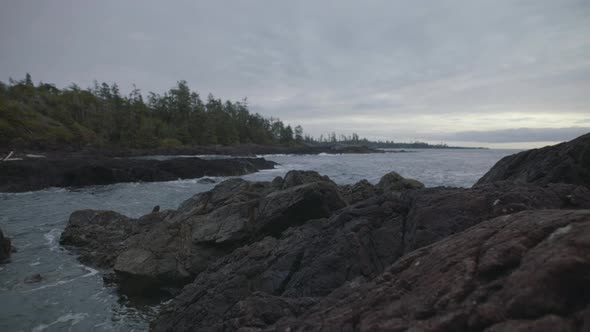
[305, 60]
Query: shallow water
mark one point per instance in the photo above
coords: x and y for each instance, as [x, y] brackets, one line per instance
[73, 297]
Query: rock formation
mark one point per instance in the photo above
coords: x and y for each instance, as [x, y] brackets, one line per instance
[567, 162]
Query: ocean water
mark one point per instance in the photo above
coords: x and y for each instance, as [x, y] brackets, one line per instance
[72, 297]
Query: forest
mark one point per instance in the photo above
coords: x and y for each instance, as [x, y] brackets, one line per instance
[43, 116]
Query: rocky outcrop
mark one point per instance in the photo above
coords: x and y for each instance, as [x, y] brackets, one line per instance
[306, 263]
[170, 248]
[34, 174]
[567, 162]
[5, 247]
[528, 271]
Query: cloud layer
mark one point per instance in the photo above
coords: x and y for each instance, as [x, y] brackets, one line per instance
[385, 69]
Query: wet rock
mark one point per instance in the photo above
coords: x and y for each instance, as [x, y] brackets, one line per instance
[206, 181]
[5, 247]
[394, 182]
[156, 209]
[520, 272]
[34, 174]
[33, 279]
[567, 162]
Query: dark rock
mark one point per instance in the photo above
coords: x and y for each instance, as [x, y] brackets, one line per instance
[567, 162]
[528, 271]
[439, 212]
[296, 178]
[354, 245]
[5, 247]
[156, 209]
[33, 279]
[99, 236]
[395, 182]
[170, 248]
[357, 192]
[34, 174]
[284, 276]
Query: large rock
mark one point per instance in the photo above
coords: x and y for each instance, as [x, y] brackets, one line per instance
[170, 248]
[358, 192]
[566, 162]
[439, 212]
[34, 174]
[99, 236]
[394, 182]
[308, 262]
[528, 271]
[5, 247]
[257, 284]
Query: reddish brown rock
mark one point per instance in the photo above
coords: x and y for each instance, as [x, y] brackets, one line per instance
[528, 271]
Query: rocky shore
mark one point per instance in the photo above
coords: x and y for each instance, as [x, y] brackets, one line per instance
[302, 253]
[240, 150]
[39, 173]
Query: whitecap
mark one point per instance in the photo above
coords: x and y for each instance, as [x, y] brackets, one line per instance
[74, 318]
[51, 238]
[91, 272]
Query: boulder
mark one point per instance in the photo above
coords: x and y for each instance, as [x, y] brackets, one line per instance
[528, 271]
[5, 247]
[395, 182]
[567, 162]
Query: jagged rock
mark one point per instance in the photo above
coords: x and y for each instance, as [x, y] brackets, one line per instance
[439, 212]
[99, 236]
[354, 245]
[306, 262]
[567, 162]
[5, 247]
[357, 192]
[528, 271]
[395, 182]
[169, 248]
[296, 178]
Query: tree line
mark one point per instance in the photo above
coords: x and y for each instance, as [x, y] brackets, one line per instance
[42, 115]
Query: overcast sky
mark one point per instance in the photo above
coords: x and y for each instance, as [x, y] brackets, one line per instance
[453, 71]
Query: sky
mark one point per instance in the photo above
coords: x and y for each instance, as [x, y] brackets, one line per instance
[475, 73]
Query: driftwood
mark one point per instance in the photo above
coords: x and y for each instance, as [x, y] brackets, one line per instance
[8, 157]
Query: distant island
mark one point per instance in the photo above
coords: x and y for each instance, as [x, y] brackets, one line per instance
[355, 140]
[42, 117]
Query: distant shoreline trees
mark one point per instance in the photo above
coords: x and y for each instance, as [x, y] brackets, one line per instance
[45, 116]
